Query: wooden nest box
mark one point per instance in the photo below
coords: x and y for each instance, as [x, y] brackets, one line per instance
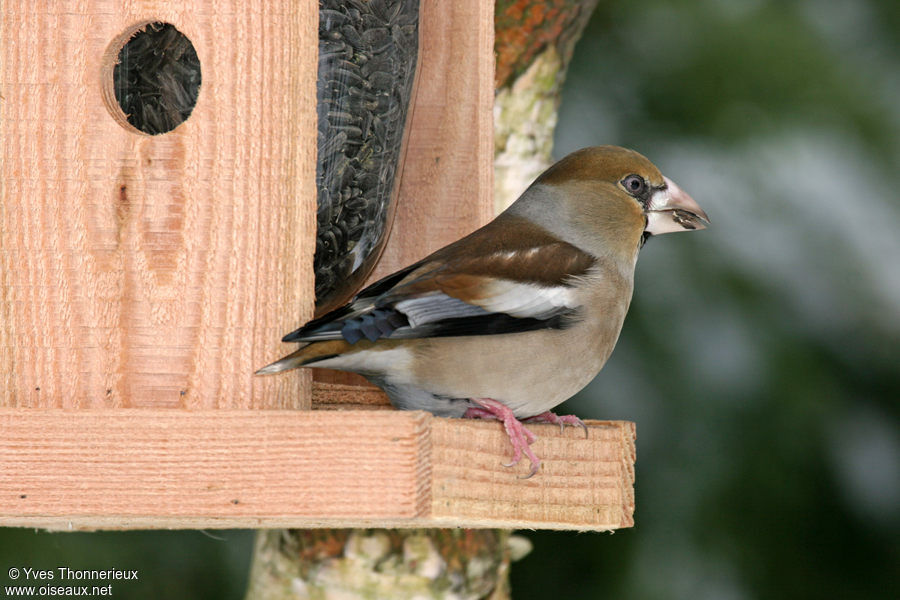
[144, 278]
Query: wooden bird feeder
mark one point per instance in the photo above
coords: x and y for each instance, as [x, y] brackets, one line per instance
[144, 278]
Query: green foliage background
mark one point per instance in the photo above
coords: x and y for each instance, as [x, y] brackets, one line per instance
[760, 359]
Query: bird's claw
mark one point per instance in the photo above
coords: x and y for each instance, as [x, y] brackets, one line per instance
[521, 439]
[561, 420]
[519, 435]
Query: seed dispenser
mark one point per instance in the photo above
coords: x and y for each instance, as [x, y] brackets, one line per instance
[366, 80]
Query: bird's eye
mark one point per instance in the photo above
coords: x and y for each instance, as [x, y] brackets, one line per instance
[634, 185]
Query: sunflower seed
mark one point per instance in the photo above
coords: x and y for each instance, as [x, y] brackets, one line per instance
[367, 59]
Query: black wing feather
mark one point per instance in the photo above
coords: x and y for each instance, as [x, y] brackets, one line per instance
[334, 320]
[493, 324]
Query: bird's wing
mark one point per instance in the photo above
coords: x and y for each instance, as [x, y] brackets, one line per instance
[483, 284]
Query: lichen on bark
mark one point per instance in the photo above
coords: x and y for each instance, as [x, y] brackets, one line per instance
[533, 44]
[349, 564]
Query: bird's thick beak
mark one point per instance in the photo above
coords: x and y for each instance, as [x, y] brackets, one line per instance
[671, 209]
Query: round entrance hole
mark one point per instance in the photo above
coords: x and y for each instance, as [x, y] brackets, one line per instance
[155, 77]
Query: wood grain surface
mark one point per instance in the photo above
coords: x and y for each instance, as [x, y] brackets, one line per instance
[234, 468]
[154, 271]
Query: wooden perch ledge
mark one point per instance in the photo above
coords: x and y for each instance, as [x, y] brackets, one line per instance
[144, 468]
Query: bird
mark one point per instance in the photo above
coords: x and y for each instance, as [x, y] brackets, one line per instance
[516, 317]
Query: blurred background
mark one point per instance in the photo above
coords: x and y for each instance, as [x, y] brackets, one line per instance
[761, 357]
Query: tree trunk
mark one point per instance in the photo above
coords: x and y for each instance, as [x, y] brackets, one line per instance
[379, 563]
[533, 43]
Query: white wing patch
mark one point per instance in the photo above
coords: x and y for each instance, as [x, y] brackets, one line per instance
[483, 295]
[521, 300]
[436, 306]
[528, 300]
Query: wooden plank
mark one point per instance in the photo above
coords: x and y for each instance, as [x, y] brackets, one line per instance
[141, 468]
[348, 396]
[154, 271]
[584, 483]
[238, 465]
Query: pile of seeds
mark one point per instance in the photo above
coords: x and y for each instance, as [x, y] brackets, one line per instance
[156, 79]
[367, 62]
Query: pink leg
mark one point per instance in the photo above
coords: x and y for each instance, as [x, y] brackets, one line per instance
[479, 413]
[519, 436]
[561, 420]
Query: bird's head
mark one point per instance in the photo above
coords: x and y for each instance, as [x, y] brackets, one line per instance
[607, 198]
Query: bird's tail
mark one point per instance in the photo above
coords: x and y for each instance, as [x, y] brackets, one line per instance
[306, 355]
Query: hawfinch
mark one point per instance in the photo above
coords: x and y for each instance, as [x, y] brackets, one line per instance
[518, 316]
